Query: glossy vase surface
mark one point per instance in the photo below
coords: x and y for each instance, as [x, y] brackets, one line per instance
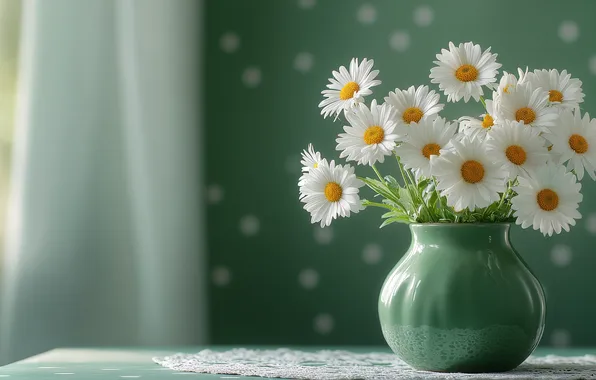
[462, 299]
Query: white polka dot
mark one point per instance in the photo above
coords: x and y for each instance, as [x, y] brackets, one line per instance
[400, 41]
[303, 62]
[592, 64]
[221, 276]
[251, 77]
[229, 42]
[367, 14]
[591, 223]
[560, 338]
[323, 323]
[561, 255]
[372, 253]
[568, 31]
[293, 165]
[214, 194]
[308, 278]
[323, 235]
[249, 225]
[306, 4]
[423, 15]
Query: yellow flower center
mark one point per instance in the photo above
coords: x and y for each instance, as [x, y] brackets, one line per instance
[431, 149]
[348, 91]
[547, 199]
[525, 114]
[333, 192]
[412, 114]
[488, 121]
[506, 88]
[555, 96]
[374, 135]
[466, 73]
[472, 171]
[516, 154]
[578, 143]
[316, 165]
[550, 148]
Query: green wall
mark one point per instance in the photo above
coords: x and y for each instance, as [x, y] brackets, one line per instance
[277, 279]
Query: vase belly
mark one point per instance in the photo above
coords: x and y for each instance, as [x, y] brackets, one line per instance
[462, 300]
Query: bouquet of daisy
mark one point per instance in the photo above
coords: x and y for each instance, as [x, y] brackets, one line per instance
[521, 160]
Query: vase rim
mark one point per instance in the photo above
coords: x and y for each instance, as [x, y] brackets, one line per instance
[460, 224]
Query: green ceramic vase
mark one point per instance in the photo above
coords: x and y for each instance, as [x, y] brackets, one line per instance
[462, 300]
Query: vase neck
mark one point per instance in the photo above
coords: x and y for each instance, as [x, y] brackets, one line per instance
[462, 234]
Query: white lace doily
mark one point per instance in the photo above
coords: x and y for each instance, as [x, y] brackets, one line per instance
[335, 365]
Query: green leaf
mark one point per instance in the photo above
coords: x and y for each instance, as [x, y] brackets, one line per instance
[392, 182]
[406, 199]
[381, 189]
[432, 200]
[367, 203]
[423, 185]
[395, 213]
[396, 219]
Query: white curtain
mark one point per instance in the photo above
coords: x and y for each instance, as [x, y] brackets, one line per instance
[104, 229]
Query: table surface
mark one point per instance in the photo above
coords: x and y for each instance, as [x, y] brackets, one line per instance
[117, 364]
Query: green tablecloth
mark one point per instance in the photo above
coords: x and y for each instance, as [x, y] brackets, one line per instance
[103, 363]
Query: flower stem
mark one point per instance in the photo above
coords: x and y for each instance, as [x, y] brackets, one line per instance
[412, 181]
[505, 195]
[408, 178]
[438, 193]
[378, 174]
[483, 101]
[502, 199]
[367, 203]
[403, 174]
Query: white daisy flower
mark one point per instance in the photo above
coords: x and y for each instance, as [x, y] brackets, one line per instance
[520, 150]
[348, 88]
[507, 84]
[478, 129]
[528, 105]
[425, 139]
[562, 89]
[548, 200]
[310, 160]
[371, 135]
[574, 140]
[466, 176]
[330, 191]
[414, 104]
[509, 81]
[462, 71]
[552, 155]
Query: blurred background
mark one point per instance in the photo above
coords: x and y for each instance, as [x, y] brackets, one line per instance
[149, 155]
